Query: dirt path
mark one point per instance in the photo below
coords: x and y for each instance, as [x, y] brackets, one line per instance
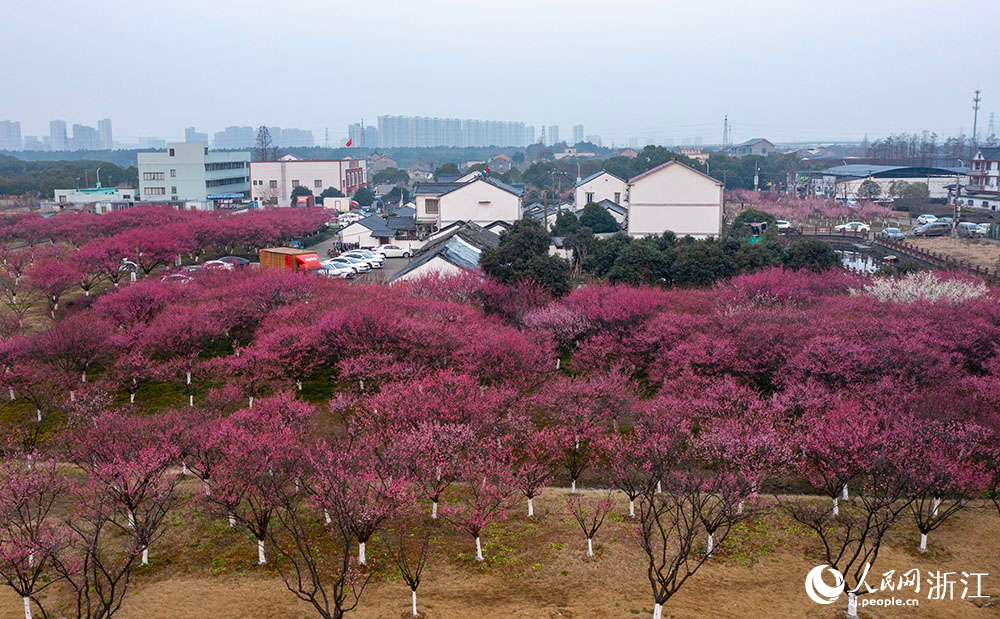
[982, 253]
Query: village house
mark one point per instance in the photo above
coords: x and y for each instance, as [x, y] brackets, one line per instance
[481, 200]
[674, 197]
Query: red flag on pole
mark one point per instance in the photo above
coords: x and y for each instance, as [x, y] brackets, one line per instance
[349, 141]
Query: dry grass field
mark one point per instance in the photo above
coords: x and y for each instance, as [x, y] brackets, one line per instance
[538, 568]
[982, 253]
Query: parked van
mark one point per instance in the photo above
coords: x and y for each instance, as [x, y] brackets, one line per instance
[968, 229]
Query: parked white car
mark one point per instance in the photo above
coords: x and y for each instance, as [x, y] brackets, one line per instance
[392, 251]
[372, 261]
[782, 225]
[926, 219]
[853, 226]
[358, 265]
[338, 269]
[347, 219]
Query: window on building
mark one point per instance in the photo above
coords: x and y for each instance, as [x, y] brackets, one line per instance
[318, 183]
[590, 197]
[156, 191]
[618, 197]
[152, 176]
[431, 206]
[173, 173]
[171, 153]
[173, 189]
[295, 183]
[273, 184]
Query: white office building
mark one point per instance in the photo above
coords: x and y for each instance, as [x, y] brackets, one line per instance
[272, 182]
[188, 171]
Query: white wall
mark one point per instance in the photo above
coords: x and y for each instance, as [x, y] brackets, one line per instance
[603, 187]
[479, 202]
[356, 233]
[435, 266]
[675, 198]
[283, 173]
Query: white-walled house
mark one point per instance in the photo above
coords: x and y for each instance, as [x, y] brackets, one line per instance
[602, 185]
[481, 201]
[674, 197]
[272, 182]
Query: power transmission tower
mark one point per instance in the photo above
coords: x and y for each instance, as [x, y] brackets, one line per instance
[725, 130]
[992, 133]
[326, 138]
[975, 117]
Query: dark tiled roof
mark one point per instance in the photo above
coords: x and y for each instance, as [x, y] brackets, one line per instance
[595, 175]
[990, 153]
[435, 189]
[377, 225]
[461, 247]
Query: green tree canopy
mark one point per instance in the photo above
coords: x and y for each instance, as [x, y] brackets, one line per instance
[914, 196]
[641, 262]
[331, 192]
[869, 190]
[598, 219]
[390, 176]
[813, 255]
[566, 224]
[523, 255]
[364, 196]
[447, 169]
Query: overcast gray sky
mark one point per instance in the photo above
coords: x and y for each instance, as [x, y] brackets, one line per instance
[644, 69]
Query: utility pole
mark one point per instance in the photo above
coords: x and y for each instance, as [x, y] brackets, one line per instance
[326, 138]
[975, 118]
[756, 176]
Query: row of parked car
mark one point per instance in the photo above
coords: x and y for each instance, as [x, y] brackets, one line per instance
[357, 261]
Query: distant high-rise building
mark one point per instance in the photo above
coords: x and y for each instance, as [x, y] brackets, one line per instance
[190, 135]
[85, 138]
[10, 135]
[553, 135]
[529, 135]
[289, 138]
[57, 135]
[421, 131]
[104, 133]
[593, 139]
[232, 138]
[31, 142]
[152, 143]
[633, 142]
[577, 134]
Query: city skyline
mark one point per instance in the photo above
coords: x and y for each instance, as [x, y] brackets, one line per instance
[832, 72]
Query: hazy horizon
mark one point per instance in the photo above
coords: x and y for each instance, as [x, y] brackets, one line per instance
[665, 71]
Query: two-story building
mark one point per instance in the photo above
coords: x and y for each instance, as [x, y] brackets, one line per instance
[188, 171]
[272, 182]
[756, 146]
[481, 200]
[983, 190]
[600, 186]
[674, 197]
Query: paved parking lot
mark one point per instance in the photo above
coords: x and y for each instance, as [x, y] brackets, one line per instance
[386, 273]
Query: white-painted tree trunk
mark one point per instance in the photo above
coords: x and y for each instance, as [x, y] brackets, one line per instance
[923, 542]
[844, 494]
[83, 376]
[558, 362]
[184, 468]
[251, 402]
[326, 517]
[479, 550]
[531, 508]
[739, 507]
[38, 415]
[189, 378]
[361, 383]
[132, 276]
[657, 611]
[27, 607]
[361, 553]
[659, 488]
[131, 397]
[261, 559]
[710, 549]
[836, 508]
[572, 486]
[232, 521]
[208, 488]
[631, 508]
[590, 547]
[145, 556]
[298, 384]
[413, 593]
[434, 510]
[131, 519]
[852, 604]
[191, 401]
[31, 559]
[10, 390]
[72, 396]
[937, 504]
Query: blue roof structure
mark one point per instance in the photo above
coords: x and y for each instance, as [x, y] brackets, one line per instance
[864, 170]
